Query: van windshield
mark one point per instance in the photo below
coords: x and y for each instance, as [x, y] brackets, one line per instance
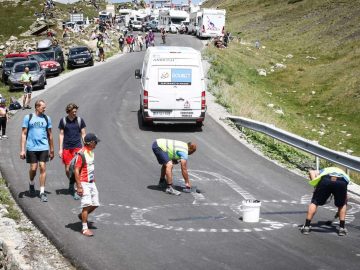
[80, 50]
[176, 20]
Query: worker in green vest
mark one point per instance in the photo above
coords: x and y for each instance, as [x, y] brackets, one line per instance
[168, 153]
[328, 181]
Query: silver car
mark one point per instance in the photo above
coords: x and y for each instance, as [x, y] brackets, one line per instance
[38, 77]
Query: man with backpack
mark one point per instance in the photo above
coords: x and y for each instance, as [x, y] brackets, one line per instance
[84, 166]
[37, 145]
[72, 133]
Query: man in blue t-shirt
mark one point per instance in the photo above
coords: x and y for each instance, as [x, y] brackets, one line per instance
[37, 145]
[71, 136]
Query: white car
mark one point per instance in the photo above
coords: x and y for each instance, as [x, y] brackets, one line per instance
[136, 25]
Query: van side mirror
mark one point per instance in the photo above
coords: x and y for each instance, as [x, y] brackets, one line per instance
[137, 74]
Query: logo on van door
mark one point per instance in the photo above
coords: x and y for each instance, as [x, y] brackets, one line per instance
[174, 76]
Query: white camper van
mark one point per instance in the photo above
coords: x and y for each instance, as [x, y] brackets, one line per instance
[171, 19]
[172, 86]
[208, 22]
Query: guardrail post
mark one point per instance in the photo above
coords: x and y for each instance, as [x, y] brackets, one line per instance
[317, 162]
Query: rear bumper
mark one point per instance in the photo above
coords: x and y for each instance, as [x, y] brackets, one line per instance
[174, 120]
[53, 71]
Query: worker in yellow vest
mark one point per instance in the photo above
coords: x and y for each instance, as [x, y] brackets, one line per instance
[328, 181]
[168, 153]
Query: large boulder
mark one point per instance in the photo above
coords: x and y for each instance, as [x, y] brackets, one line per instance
[13, 38]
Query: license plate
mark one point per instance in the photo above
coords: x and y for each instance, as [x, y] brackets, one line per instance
[161, 113]
[186, 114]
[53, 69]
[80, 61]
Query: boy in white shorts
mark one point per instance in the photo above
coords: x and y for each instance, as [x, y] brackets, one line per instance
[85, 181]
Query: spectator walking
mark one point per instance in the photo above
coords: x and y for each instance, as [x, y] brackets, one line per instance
[37, 145]
[329, 181]
[121, 42]
[72, 133]
[140, 41]
[151, 38]
[147, 40]
[100, 46]
[85, 180]
[25, 79]
[169, 152]
[4, 118]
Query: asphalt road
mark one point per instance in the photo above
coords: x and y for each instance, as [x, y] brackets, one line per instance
[140, 227]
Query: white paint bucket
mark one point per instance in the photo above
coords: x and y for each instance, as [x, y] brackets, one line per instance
[251, 210]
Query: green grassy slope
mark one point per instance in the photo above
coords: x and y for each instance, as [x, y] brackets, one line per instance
[318, 91]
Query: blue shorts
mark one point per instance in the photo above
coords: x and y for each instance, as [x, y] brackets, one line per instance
[161, 156]
[326, 187]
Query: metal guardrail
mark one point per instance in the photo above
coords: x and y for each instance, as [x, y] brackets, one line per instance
[344, 159]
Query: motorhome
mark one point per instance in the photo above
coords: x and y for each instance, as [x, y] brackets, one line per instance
[172, 86]
[171, 19]
[207, 23]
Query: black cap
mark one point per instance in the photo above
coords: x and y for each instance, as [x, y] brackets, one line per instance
[91, 137]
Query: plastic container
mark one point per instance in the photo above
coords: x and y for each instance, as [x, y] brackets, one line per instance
[251, 210]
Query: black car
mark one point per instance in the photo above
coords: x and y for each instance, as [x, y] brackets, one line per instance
[7, 66]
[80, 56]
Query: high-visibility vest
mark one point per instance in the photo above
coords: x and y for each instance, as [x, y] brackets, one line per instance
[333, 171]
[172, 147]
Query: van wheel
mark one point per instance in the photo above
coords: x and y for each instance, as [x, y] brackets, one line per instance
[199, 124]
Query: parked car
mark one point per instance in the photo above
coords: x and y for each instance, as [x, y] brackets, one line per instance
[7, 65]
[137, 25]
[51, 67]
[38, 76]
[52, 52]
[154, 25]
[79, 56]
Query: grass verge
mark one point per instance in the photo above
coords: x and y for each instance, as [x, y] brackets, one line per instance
[7, 200]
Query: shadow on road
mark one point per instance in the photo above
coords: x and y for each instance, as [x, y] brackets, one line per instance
[27, 194]
[63, 191]
[77, 226]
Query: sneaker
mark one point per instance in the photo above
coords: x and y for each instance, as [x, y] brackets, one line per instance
[171, 190]
[4, 136]
[76, 196]
[162, 183]
[28, 107]
[342, 231]
[305, 230]
[87, 232]
[32, 190]
[43, 197]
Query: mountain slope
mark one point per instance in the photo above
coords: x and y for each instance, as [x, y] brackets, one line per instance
[315, 92]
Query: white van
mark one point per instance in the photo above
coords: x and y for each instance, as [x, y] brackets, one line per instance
[172, 86]
[209, 22]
